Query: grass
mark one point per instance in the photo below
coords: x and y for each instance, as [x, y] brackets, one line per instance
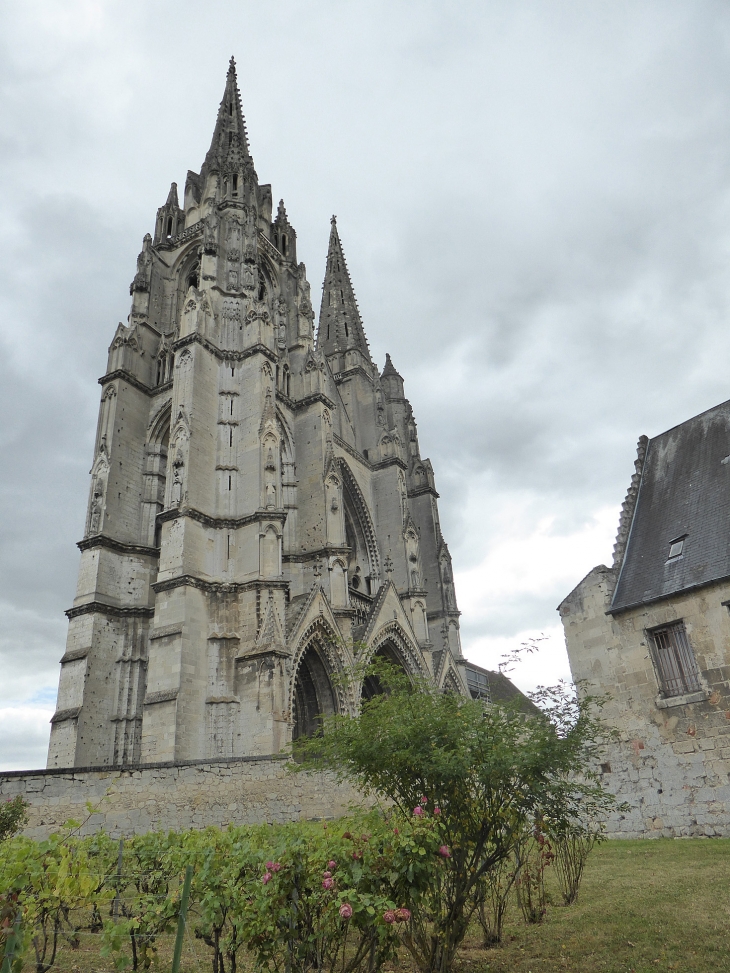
[643, 906]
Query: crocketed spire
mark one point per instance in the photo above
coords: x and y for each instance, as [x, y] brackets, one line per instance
[340, 324]
[229, 145]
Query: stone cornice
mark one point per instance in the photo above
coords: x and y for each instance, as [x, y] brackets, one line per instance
[66, 714]
[101, 540]
[232, 587]
[312, 398]
[219, 353]
[351, 450]
[421, 491]
[230, 523]
[441, 613]
[127, 377]
[164, 696]
[346, 373]
[391, 461]
[329, 551]
[76, 772]
[74, 655]
[118, 611]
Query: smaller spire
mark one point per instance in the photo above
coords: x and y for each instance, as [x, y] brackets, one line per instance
[340, 324]
[389, 368]
[172, 199]
[391, 380]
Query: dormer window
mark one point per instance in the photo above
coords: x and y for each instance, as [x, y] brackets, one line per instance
[676, 548]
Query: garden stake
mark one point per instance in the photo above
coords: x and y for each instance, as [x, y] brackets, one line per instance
[181, 919]
[10, 945]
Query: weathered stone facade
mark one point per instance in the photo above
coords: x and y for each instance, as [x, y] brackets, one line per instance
[653, 632]
[253, 790]
[259, 516]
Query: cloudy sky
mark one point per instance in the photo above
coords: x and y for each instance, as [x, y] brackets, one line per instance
[534, 199]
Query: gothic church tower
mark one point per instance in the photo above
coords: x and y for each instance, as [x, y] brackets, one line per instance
[259, 513]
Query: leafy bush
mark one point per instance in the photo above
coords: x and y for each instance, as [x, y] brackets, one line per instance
[487, 773]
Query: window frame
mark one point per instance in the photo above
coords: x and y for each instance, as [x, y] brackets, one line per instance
[675, 665]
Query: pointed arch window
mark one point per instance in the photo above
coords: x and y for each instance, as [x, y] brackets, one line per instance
[313, 695]
[234, 191]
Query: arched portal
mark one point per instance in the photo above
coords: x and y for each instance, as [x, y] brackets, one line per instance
[388, 652]
[314, 696]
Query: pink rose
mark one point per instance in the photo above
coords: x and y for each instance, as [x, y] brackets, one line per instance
[418, 811]
[396, 831]
[389, 917]
[424, 800]
[326, 874]
[437, 810]
[346, 910]
[444, 851]
[269, 866]
[276, 866]
[402, 915]
[332, 865]
[266, 877]
[328, 883]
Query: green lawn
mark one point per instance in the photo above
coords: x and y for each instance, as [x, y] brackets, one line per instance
[643, 906]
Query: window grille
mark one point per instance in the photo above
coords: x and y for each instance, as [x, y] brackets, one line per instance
[478, 683]
[675, 662]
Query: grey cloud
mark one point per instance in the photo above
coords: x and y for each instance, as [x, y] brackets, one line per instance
[534, 199]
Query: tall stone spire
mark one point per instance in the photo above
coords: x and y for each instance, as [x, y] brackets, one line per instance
[340, 324]
[229, 145]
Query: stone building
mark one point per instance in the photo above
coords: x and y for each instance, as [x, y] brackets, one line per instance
[260, 516]
[653, 632]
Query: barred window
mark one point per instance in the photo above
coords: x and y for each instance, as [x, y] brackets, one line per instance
[674, 660]
[478, 682]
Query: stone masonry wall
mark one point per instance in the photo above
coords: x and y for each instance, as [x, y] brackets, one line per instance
[671, 762]
[174, 797]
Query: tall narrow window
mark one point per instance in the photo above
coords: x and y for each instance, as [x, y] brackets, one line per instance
[230, 442]
[235, 184]
[674, 659]
[229, 481]
[230, 108]
[229, 547]
[169, 226]
[231, 406]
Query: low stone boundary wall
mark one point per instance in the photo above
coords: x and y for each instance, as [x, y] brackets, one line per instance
[126, 801]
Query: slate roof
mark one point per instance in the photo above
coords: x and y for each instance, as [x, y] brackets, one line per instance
[684, 492]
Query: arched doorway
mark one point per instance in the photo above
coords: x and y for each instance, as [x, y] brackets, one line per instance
[314, 696]
[372, 686]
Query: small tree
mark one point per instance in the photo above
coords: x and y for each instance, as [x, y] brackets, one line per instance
[12, 816]
[487, 773]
